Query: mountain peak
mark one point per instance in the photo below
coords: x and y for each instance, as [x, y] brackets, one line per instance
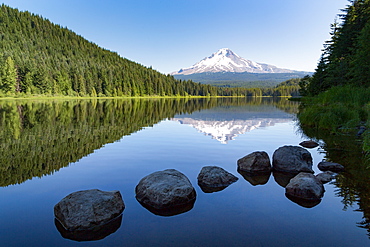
[225, 60]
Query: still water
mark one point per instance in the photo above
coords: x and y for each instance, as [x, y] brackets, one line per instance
[52, 148]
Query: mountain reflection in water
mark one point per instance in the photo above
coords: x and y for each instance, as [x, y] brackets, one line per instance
[39, 138]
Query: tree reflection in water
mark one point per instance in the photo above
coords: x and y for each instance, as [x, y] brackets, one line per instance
[353, 185]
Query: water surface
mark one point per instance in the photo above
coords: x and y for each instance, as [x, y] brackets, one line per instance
[53, 148]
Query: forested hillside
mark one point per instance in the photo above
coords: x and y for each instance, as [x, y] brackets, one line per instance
[39, 57]
[339, 91]
[346, 56]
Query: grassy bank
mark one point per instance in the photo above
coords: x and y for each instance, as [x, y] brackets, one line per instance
[341, 109]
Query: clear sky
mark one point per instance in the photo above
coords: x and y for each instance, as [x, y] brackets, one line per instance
[173, 34]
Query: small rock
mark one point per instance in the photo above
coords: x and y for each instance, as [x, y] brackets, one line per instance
[309, 144]
[305, 186]
[87, 209]
[256, 162]
[164, 190]
[330, 166]
[213, 178]
[325, 177]
[292, 159]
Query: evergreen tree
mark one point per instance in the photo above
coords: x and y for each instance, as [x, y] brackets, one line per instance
[345, 59]
[8, 76]
[360, 66]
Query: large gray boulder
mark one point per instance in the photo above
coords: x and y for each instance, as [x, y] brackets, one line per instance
[256, 162]
[165, 190]
[214, 178]
[88, 209]
[292, 159]
[305, 186]
[330, 166]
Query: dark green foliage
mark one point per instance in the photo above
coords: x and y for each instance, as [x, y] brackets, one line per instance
[50, 59]
[341, 108]
[345, 59]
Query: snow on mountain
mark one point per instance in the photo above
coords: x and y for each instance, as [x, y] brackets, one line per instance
[225, 60]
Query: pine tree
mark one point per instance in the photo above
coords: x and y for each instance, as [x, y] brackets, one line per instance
[360, 66]
[8, 76]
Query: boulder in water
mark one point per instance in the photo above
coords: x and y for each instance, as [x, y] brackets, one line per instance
[256, 162]
[87, 209]
[305, 186]
[330, 166]
[213, 179]
[292, 159]
[164, 190]
[309, 144]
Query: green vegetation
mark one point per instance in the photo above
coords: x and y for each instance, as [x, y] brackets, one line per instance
[338, 94]
[345, 60]
[337, 102]
[341, 108]
[38, 57]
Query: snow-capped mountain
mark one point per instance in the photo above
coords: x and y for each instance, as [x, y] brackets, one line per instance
[225, 60]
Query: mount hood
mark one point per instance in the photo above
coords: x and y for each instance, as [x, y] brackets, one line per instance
[225, 60]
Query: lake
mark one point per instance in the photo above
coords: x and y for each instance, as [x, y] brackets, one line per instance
[53, 148]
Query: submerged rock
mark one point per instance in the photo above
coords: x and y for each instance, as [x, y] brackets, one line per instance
[305, 186]
[309, 144]
[88, 209]
[325, 177]
[164, 190]
[256, 162]
[255, 178]
[292, 159]
[213, 179]
[330, 166]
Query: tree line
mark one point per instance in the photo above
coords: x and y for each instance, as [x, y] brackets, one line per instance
[346, 56]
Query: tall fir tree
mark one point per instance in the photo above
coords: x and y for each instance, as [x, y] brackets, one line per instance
[8, 76]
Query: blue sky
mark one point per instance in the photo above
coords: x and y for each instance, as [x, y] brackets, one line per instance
[173, 34]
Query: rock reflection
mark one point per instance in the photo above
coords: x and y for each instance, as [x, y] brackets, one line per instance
[283, 178]
[170, 211]
[255, 178]
[207, 189]
[97, 233]
[302, 202]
